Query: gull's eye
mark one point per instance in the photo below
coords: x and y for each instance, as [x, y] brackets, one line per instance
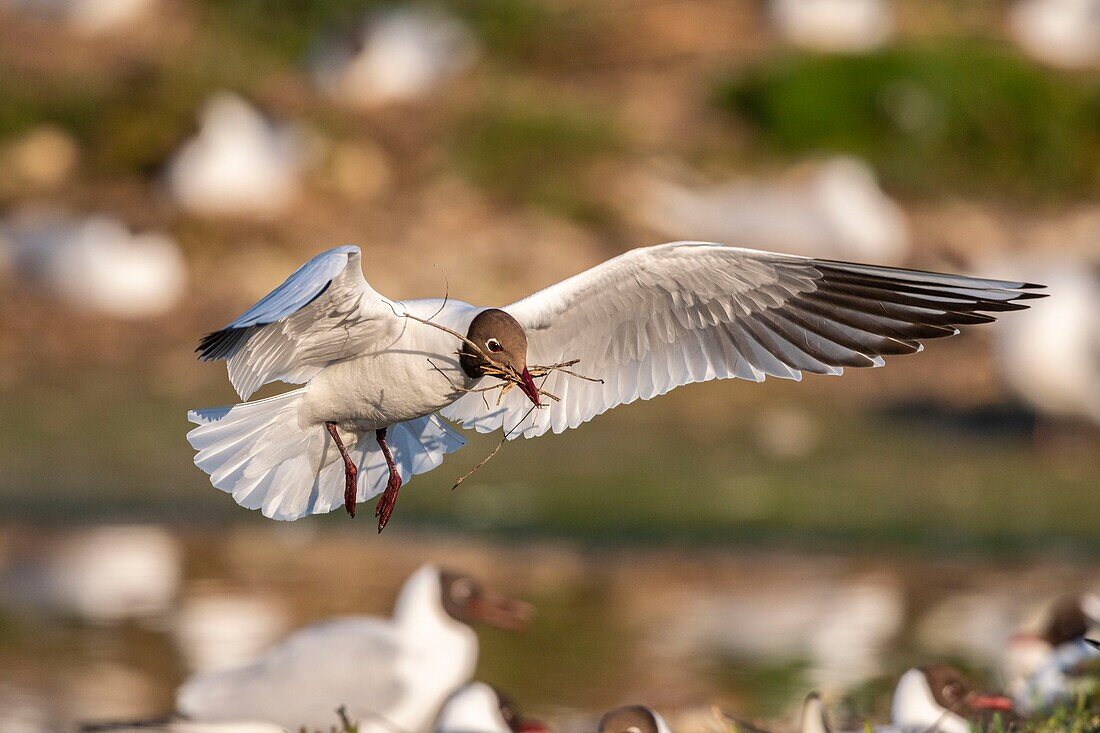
[493, 345]
[951, 691]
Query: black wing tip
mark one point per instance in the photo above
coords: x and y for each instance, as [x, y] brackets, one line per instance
[220, 344]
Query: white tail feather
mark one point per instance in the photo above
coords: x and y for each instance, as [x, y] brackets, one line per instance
[259, 453]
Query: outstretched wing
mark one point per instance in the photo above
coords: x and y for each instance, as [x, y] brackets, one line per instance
[322, 313]
[658, 317]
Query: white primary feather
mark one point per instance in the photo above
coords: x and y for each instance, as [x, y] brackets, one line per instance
[655, 318]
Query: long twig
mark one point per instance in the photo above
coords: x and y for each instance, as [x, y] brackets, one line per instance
[508, 379]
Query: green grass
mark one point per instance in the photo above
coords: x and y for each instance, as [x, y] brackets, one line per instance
[963, 117]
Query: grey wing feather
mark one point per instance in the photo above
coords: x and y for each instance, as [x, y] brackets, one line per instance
[320, 314]
[656, 318]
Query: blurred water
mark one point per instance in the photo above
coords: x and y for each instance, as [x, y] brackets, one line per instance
[681, 629]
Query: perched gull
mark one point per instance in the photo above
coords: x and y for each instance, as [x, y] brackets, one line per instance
[96, 263]
[1058, 32]
[105, 575]
[399, 55]
[933, 699]
[239, 164]
[1051, 356]
[834, 25]
[388, 674]
[478, 708]
[381, 373]
[633, 719]
[1048, 668]
[835, 210]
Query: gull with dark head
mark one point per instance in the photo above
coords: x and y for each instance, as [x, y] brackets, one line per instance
[388, 674]
[480, 708]
[930, 699]
[633, 719]
[381, 375]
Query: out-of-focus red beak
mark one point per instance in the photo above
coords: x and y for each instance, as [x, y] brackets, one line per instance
[503, 613]
[527, 384]
[991, 702]
[532, 726]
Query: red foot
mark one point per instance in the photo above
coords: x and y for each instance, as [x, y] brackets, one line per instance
[386, 503]
[351, 473]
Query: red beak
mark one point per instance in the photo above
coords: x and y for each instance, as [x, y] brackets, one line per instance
[503, 613]
[532, 726]
[991, 702]
[527, 384]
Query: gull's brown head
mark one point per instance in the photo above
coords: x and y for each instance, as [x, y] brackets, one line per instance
[499, 337]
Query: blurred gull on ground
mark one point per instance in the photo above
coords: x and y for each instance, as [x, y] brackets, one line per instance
[391, 674]
[933, 698]
[834, 25]
[1058, 32]
[973, 624]
[841, 628]
[91, 17]
[218, 630]
[96, 264]
[836, 211]
[240, 164]
[1050, 356]
[1042, 661]
[104, 575]
[399, 54]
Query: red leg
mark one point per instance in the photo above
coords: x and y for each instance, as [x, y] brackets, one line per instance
[351, 473]
[388, 501]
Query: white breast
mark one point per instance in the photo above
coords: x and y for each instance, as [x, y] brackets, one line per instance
[415, 375]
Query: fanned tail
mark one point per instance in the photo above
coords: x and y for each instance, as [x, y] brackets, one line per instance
[261, 454]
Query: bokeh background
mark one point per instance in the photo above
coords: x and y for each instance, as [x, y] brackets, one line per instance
[163, 164]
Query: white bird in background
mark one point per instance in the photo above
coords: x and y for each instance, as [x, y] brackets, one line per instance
[933, 699]
[834, 25]
[1050, 667]
[1058, 32]
[1051, 355]
[633, 719]
[837, 210]
[388, 674]
[381, 373]
[96, 264]
[478, 708]
[400, 54]
[104, 575]
[219, 629]
[239, 164]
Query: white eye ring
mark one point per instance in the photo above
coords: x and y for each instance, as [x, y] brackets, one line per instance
[493, 345]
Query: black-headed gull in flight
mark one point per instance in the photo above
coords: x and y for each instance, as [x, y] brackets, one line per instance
[380, 373]
[390, 675]
[932, 699]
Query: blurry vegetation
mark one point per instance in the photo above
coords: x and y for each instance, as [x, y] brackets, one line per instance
[537, 154]
[961, 117]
